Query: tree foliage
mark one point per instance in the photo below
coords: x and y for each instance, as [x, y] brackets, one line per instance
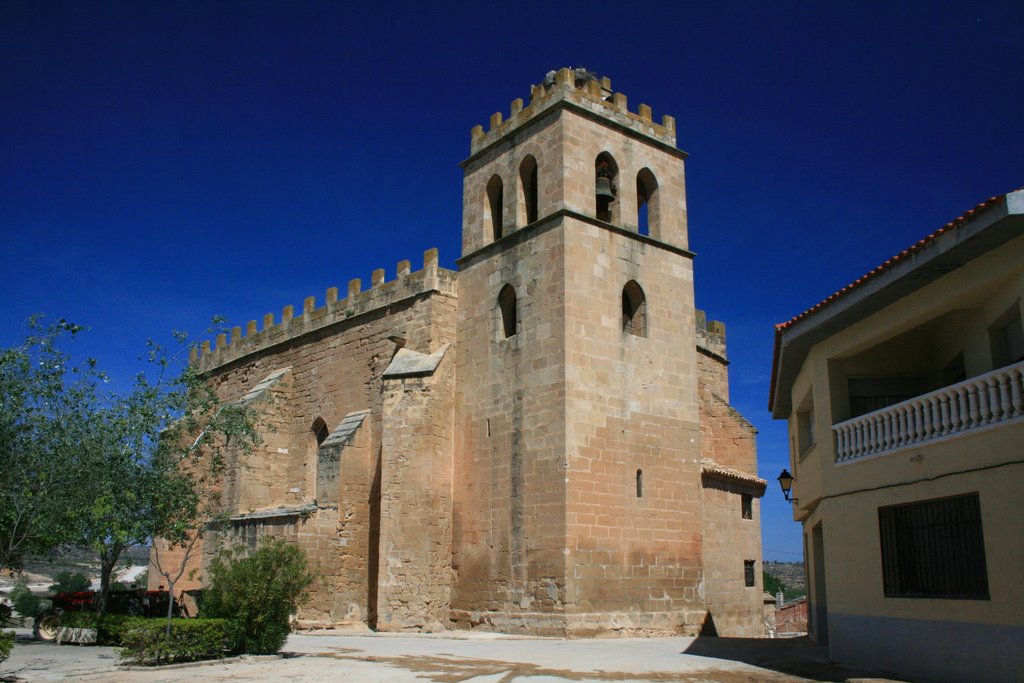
[772, 584]
[66, 582]
[45, 406]
[257, 593]
[24, 600]
[105, 470]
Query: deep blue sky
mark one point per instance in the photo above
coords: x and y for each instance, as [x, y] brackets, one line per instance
[164, 162]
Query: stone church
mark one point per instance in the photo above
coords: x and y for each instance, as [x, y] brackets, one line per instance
[539, 442]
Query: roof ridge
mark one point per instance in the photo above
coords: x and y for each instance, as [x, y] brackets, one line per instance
[892, 260]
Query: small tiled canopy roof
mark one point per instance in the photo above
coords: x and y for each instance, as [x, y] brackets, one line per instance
[710, 468]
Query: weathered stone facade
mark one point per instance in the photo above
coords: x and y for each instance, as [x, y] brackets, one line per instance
[540, 442]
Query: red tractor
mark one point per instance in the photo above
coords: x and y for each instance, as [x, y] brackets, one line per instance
[136, 602]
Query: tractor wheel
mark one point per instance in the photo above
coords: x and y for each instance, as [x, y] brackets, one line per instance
[46, 626]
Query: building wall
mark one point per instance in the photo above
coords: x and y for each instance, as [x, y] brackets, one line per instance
[733, 608]
[927, 636]
[336, 356]
[509, 525]
[414, 581]
[548, 481]
[631, 407]
[792, 617]
[838, 503]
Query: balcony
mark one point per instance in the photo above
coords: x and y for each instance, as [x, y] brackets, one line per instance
[984, 401]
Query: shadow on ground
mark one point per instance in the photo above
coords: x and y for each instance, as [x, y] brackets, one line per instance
[794, 656]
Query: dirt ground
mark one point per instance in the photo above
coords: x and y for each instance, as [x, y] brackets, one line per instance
[456, 658]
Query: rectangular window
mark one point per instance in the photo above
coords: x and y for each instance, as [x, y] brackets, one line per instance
[934, 549]
[868, 394]
[748, 573]
[1007, 338]
[747, 505]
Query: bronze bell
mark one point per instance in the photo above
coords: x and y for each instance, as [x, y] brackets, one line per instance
[604, 187]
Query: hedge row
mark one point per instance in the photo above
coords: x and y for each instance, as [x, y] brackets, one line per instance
[109, 630]
[146, 640]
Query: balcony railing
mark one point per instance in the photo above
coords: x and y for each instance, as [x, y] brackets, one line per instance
[978, 402]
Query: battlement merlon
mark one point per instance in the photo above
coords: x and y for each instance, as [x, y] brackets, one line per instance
[583, 89]
[407, 284]
[710, 335]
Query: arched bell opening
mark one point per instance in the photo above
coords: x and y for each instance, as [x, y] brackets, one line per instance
[606, 173]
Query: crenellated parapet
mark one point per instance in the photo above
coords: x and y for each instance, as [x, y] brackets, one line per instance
[583, 89]
[710, 335]
[357, 302]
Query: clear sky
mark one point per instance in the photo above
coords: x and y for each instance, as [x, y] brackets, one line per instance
[161, 162]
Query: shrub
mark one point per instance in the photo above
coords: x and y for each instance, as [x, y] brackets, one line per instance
[146, 641]
[25, 601]
[6, 643]
[70, 583]
[257, 594]
[110, 628]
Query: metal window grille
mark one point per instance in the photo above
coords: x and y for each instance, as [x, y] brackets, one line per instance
[748, 573]
[934, 549]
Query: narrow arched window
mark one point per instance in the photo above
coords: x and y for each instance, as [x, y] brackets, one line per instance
[606, 189]
[493, 207]
[528, 190]
[319, 430]
[634, 310]
[639, 483]
[647, 203]
[507, 306]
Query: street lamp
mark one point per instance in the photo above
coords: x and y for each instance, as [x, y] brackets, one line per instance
[786, 482]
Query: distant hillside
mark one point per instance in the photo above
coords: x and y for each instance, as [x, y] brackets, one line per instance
[41, 570]
[791, 574]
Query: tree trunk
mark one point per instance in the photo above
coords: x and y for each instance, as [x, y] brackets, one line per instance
[108, 560]
[170, 605]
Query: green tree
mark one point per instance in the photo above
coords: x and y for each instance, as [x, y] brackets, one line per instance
[257, 593]
[24, 600]
[772, 584]
[154, 455]
[66, 582]
[104, 470]
[45, 406]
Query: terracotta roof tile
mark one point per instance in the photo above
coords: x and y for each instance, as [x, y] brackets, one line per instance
[889, 263]
[871, 274]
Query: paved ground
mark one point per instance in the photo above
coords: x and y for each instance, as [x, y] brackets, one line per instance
[453, 658]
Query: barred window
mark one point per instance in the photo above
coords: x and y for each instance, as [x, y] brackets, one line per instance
[934, 549]
[748, 574]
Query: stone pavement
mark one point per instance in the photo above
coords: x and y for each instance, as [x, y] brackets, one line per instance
[457, 657]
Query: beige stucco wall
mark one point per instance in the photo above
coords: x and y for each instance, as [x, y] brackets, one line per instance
[951, 313]
[918, 334]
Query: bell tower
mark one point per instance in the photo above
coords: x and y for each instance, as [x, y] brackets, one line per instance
[576, 501]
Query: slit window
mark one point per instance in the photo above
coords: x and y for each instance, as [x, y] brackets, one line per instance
[507, 306]
[639, 483]
[634, 310]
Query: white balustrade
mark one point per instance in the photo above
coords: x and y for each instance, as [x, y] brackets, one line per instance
[995, 397]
